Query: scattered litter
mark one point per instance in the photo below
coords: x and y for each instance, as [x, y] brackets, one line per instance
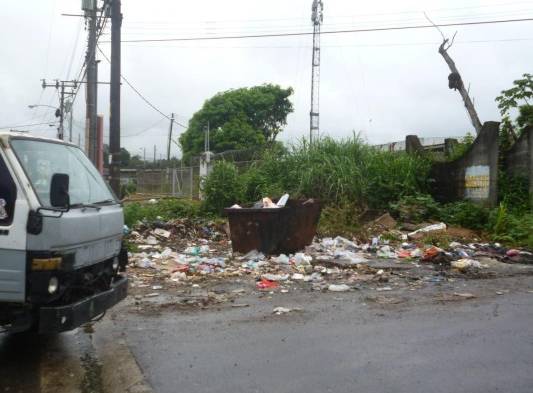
[418, 234]
[381, 289]
[465, 295]
[282, 259]
[236, 207]
[275, 277]
[465, 264]
[284, 310]
[266, 284]
[338, 288]
[162, 232]
[240, 305]
[153, 294]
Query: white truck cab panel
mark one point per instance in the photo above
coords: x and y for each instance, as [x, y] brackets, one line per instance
[59, 264]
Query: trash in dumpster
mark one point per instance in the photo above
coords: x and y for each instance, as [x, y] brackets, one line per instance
[283, 200]
[276, 230]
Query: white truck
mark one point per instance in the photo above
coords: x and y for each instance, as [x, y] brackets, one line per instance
[61, 226]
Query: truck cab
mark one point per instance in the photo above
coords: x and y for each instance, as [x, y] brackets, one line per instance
[61, 228]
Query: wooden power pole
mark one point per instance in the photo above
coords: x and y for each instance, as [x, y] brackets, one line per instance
[114, 111]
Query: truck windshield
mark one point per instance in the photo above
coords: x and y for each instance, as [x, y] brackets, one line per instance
[41, 160]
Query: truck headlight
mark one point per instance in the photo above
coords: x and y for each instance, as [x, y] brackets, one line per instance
[53, 285]
[115, 264]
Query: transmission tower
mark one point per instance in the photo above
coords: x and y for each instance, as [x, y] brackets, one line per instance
[317, 18]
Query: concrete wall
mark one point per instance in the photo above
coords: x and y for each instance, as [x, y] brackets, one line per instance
[473, 176]
[519, 159]
[517, 162]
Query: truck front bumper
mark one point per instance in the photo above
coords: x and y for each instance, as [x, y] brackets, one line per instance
[68, 317]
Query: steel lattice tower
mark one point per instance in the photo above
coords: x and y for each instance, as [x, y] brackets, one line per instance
[317, 18]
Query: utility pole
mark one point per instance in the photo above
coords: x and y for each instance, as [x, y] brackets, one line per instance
[455, 82]
[90, 8]
[70, 110]
[60, 112]
[114, 100]
[61, 129]
[155, 151]
[317, 18]
[454, 79]
[170, 136]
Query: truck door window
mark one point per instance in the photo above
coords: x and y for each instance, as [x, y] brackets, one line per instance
[8, 195]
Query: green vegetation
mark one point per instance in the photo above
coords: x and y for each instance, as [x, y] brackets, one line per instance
[246, 118]
[516, 99]
[223, 187]
[164, 209]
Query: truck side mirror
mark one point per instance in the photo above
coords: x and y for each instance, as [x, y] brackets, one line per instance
[59, 196]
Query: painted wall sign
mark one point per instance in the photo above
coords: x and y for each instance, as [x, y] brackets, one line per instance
[477, 182]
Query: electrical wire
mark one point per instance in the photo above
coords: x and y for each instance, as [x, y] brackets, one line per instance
[141, 96]
[29, 125]
[145, 129]
[327, 32]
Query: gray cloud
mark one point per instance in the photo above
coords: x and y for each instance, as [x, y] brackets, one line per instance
[384, 84]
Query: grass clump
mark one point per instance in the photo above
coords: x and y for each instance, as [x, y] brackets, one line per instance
[415, 208]
[341, 220]
[336, 172]
[164, 209]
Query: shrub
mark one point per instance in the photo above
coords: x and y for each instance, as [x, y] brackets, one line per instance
[167, 209]
[415, 208]
[466, 214]
[223, 187]
[511, 227]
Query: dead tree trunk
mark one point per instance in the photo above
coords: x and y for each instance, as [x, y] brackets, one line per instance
[457, 83]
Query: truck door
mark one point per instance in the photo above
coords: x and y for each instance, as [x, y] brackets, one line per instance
[13, 217]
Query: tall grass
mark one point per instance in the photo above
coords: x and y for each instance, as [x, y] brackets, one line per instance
[336, 172]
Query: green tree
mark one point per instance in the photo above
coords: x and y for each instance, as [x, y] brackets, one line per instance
[239, 119]
[516, 100]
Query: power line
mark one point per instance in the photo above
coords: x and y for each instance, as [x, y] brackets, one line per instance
[274, 35]
[140, 94]
[145, 129]
[390, 44]
[29, 125]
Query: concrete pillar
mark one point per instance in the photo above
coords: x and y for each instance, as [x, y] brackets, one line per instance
[450, 144]
[412, 144]
[205, 169]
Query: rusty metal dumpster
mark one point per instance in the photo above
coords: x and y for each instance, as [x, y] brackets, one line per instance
[274, 231]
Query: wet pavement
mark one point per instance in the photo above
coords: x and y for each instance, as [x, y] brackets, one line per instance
[465, 336]
[459, 335]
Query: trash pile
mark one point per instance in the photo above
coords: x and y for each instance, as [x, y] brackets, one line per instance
[185, 252]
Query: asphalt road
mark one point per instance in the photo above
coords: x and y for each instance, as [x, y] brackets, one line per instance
[344, 343]
[427, 340]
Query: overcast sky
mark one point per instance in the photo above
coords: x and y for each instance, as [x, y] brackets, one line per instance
[383, 84]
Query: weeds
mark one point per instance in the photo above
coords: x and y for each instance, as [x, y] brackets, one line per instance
[164, 209]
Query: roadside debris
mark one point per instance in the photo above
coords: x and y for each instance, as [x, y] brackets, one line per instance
[420, 233]
[284, 310]
[191, 256]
